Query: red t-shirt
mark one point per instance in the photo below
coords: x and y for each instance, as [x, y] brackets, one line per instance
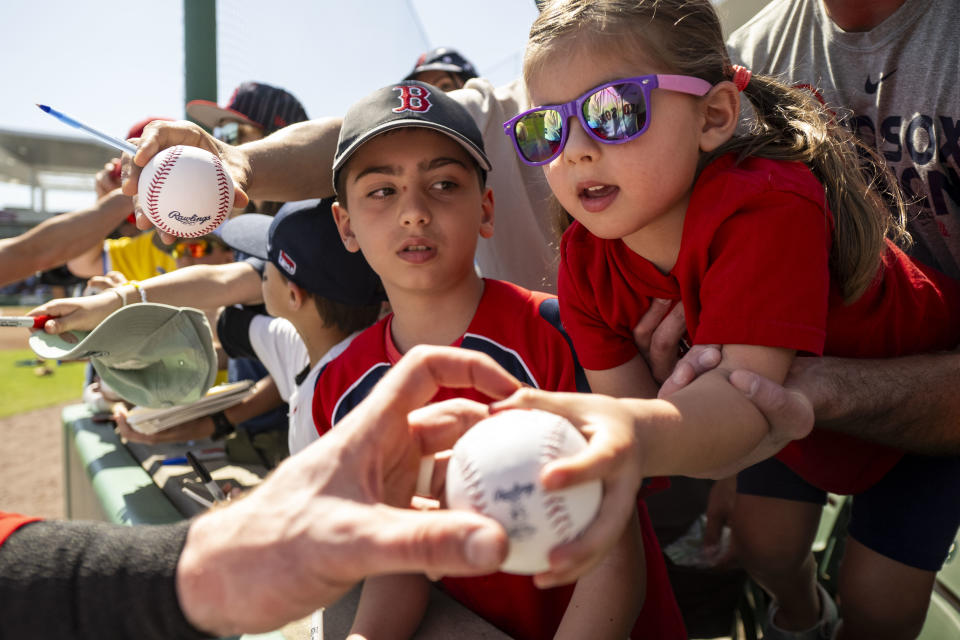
[10, 522]
[753, 268]
[520, 330]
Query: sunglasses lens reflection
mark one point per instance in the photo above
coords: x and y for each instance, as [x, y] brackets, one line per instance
[616, 112]
[539, 134]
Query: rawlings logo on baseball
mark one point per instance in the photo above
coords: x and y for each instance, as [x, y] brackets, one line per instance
[185, 191]
[495, 470]
[182, 219]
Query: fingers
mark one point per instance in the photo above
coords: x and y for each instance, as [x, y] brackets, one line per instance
[438, 426]
[571, 561]
[700, 359]
[420, 374]
[789, 413]
[643, 332]
[664, 345]
[435, 542]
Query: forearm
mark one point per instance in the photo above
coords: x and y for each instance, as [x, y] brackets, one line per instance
[405, 596]
[92, 580]
[700, 429]
[607, 600]
[205, 286]
[66, 236]
[295, 162]
[909, 402]
[263, 397]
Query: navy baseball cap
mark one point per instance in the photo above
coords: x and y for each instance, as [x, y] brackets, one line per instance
[269, 108]
[407, 104]
[303, 242]
[443, 59]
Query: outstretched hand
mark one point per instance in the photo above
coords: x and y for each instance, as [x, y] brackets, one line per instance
[77, 314]
[160, 134]
[330, 515]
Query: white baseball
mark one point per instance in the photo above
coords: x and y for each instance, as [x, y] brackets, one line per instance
[495, 470]
[185, 191]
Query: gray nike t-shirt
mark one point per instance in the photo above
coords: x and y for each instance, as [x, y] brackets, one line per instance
[897, 86]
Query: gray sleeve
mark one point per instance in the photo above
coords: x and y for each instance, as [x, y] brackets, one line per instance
[75, 579]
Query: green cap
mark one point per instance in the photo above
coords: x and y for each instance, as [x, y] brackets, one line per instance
[151, 355]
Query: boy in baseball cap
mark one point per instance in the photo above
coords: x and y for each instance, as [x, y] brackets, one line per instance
[318, 296]
[410, 177]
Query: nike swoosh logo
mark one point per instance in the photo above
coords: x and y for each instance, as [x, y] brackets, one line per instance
[871, 87]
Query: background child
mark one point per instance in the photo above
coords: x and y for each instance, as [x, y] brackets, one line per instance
[410, 177]
[775, 243]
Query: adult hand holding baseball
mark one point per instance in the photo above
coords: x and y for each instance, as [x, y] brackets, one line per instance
[160, 135]
[612, 456]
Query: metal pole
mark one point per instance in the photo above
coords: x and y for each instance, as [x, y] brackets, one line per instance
[200, 50]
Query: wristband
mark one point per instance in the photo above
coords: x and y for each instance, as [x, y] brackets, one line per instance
[222, 427]
[136, 285]
[123, 300]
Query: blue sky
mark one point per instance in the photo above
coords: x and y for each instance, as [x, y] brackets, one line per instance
[110, 64]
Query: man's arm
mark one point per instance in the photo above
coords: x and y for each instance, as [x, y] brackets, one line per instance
[319, 523]
[58, 239]
[910, 402]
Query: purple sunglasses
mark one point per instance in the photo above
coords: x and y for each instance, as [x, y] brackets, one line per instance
[613, 113]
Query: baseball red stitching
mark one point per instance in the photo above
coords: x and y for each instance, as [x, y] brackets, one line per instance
[555, 506]
[157, 181]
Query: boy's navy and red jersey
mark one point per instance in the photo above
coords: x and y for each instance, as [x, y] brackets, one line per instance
[753, 268]
[521, 330]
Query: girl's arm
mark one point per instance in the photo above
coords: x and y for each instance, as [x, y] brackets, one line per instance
[707, 428]
[391, 606]
[608, 599]
[630, 380]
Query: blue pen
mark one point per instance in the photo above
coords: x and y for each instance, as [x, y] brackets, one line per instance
[116, 143]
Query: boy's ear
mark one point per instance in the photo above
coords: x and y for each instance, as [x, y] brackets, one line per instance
[342, 217]
[486, 222]
[721, 112]
[296, 296]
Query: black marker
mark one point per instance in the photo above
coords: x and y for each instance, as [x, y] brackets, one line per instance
[205, 478]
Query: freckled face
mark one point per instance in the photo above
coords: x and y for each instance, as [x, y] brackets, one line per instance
[623, 190]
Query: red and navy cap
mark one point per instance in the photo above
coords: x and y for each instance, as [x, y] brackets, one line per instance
[266, 107]
[407, 104]
[443, 59]
[303, 242]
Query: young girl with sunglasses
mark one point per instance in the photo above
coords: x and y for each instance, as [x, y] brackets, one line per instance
[777, 241]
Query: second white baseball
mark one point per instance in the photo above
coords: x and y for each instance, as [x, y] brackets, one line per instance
[495, 470]
[185, 191]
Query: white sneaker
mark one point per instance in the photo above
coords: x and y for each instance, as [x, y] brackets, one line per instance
[823, 630]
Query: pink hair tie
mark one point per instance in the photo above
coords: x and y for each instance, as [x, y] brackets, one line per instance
[741, 77]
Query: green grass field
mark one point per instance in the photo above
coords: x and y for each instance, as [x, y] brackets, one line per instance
[22, 390]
